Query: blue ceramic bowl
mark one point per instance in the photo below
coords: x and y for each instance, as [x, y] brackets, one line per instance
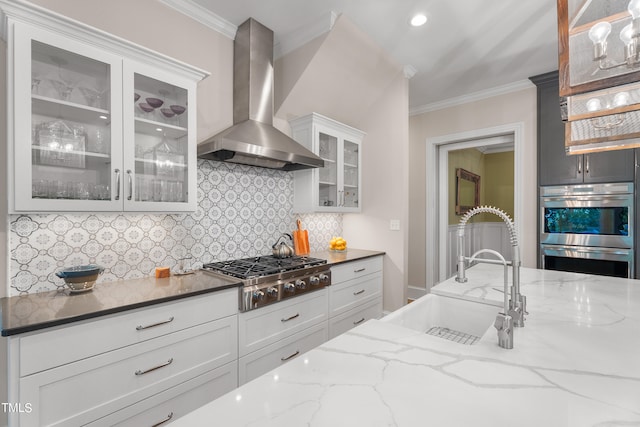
[80, 271]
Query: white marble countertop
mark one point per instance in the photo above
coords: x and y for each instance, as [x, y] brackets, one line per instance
[575, 363]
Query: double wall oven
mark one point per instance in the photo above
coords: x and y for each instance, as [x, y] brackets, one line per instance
[588, 229]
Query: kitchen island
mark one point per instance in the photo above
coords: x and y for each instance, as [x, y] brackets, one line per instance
[575, 363]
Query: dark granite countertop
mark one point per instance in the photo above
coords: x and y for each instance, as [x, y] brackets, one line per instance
[26, 313]
[31, 312]
[346, 256]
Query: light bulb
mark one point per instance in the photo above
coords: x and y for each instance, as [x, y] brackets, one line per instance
[634, 8]
[621, 99]
[418, 20]
[594, 104]
[599, 32]
[626, 35]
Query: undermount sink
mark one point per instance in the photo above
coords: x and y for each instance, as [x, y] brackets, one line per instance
[445, 317]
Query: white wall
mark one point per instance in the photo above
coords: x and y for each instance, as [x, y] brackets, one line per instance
[345, 76]
[515, 107]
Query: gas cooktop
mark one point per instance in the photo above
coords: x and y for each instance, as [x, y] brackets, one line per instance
[268, 279]
[247, 268]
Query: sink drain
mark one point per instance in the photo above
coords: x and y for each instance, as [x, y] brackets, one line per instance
[451, 335]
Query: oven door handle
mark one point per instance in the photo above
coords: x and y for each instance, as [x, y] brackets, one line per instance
[625, 197]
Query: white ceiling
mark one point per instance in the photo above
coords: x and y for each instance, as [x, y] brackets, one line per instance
[465, 47]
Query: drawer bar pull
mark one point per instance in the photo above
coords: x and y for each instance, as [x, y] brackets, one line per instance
[290, 318]
[164, 421]
[141, 328]
[360, 270]
[169, 362]
[284, 359]
[361, 291]
[357, 322]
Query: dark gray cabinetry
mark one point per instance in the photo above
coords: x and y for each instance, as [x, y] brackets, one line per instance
[555, 167]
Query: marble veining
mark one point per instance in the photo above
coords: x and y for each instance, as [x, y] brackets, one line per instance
[575, 363]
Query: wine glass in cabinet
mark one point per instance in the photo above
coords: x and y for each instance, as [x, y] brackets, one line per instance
[160, 148]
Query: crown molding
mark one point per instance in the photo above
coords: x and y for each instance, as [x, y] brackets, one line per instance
[472, 97]
[204, 16]
[409, 71]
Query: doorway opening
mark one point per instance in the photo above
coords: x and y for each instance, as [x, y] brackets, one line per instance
[438, 263]
[479, 175]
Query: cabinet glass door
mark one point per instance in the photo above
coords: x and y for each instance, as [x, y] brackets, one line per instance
[328, 175]
[69, 166]
[159, 177]
[351, 176]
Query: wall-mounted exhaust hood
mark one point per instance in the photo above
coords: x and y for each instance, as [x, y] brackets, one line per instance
[252, 140]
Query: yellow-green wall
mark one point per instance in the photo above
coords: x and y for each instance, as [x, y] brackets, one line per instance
[496, 180]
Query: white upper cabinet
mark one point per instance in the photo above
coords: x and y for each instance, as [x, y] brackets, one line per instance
[337, 186]
[95, 123]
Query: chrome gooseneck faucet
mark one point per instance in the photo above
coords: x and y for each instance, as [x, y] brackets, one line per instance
[517, 304]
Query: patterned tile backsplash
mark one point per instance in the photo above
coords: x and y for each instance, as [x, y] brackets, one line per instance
[241, 212]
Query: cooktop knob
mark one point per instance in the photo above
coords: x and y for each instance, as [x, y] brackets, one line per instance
[289, 287]
[301, 284]
[258, 296]
[272, 292]
[314, 281]
[324, 277]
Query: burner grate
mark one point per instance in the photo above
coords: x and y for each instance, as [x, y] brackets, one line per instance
[246, 268]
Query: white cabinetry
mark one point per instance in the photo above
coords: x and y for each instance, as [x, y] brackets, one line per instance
[275, 334]
[355, 294]
[79, 136]
[129, 367]
[337, 186]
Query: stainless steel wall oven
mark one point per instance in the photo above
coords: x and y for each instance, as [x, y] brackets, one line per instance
[588, 229]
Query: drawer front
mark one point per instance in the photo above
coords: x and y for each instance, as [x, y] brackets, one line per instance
[177, 401]
[88, 389]
[266, 325]
[354, 269]
[80, 340]
[342, 323]
[353, 293]
[274, 355]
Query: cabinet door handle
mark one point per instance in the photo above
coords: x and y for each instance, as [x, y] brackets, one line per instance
[579, 160]
[146, 371]
[357, 322]
[284, 359]
[130, 178]
[359, 270]
[290, 318]
[162, 322]
[361, 291]
[117, 171]
[163, 421]
[586, 166]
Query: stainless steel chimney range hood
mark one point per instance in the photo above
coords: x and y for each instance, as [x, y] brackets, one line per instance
[252, 140]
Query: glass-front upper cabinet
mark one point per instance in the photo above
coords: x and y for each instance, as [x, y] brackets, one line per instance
[94, 130]
[335, 187]
[67, 114]
[160, 149]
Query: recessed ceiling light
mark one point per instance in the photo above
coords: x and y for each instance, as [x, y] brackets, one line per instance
[418, 20]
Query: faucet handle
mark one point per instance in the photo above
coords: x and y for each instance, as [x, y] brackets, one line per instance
[504, 325]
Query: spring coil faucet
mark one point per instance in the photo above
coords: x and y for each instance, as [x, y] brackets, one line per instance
[517, 305]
